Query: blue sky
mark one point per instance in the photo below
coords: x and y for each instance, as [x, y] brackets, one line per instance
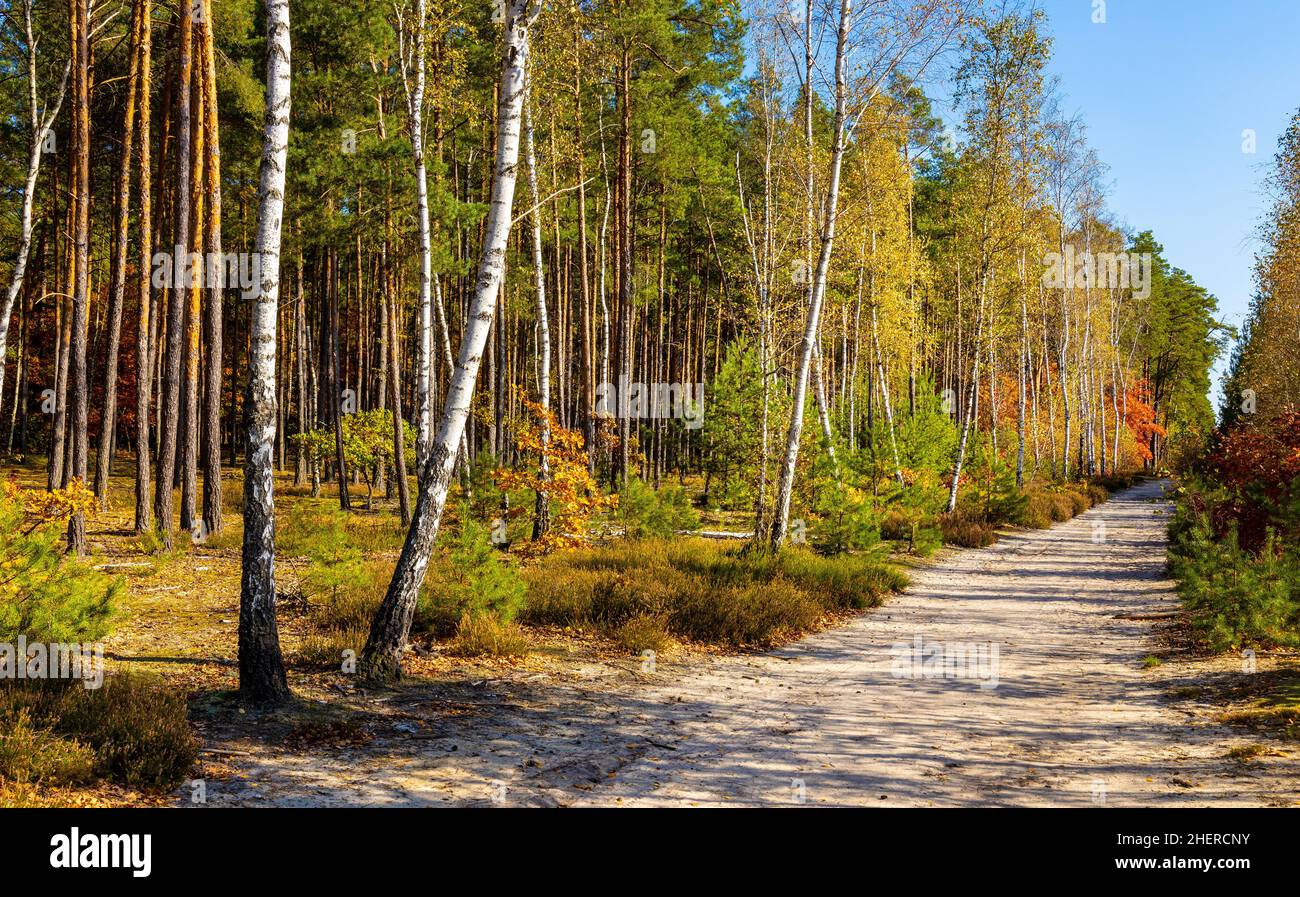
[1166, 89]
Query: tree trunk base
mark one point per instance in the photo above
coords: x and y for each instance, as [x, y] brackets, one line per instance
[379, 668]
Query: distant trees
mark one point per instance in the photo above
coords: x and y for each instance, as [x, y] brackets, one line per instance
[895, 35]
[1264, 377]
[369, 445]
[1000, 83]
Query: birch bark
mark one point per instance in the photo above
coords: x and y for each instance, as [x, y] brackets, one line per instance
[261, 666]
[381, 659]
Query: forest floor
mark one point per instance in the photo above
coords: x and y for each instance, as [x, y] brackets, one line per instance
[1100, 698]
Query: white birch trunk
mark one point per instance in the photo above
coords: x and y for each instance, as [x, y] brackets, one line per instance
[392, 623]
[539, 266]
[541, 521]
[424, 363]
[884, 395]
[786, 488]
[972, 401]
[261, 667]
[41, 125]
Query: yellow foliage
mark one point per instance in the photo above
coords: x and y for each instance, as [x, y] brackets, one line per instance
[564, 478]
[40, 506]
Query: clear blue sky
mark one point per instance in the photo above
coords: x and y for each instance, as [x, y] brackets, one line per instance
[1166, 88]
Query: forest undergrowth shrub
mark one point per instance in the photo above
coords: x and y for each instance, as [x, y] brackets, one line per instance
[646, 632]
[1234, 538]
[132, 730]
[845, 517]
[340, 582]
[1236, 596]
[485, 635]
[702, 592]
[967, 528]
[474, 592]
[911, 513]
[644, 512]
[47, 595]
[137, 727]
[1117, 482]
[55, 732]
[33, 755]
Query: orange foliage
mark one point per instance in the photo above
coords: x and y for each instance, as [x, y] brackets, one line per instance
[573, 494]
[1140, 418]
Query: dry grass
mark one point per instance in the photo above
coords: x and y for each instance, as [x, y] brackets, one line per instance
[1275, 711]
[701, 592]
[967, 529]
[643, 633]
[483, 635]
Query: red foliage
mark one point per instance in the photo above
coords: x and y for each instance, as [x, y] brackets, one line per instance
[1258, 464]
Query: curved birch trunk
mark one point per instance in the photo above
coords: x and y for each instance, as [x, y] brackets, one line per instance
[40, 128]
[785, 490]
[381, 659]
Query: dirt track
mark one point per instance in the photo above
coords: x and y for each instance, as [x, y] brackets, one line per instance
[1066, 714]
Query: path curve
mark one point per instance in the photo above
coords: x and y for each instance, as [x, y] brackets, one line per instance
[1073, 719]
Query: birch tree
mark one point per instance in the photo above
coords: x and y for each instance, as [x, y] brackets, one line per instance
[807, 346]
[897, 33]
[261, 666]
[41, 122]
[390, 629]
[999, 82]
[413, 70]
[541, 516]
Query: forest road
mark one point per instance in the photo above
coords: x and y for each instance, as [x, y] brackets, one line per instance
[1039, 697]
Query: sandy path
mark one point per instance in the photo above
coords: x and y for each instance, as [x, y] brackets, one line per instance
[1074, 718]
